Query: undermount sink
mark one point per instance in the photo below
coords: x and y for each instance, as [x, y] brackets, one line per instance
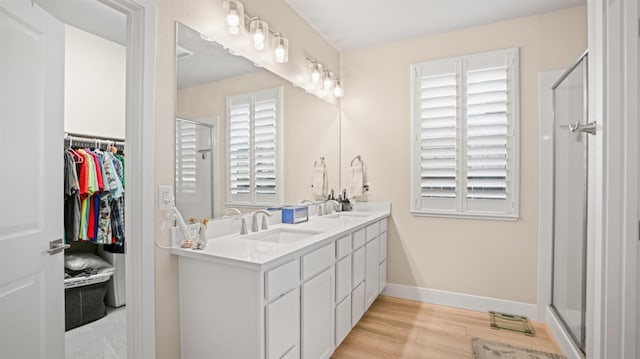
[282, 235]
[339, 215]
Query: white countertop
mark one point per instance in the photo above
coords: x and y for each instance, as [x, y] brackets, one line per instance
[240, 250]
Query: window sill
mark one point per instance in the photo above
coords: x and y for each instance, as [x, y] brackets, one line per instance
[476, 216]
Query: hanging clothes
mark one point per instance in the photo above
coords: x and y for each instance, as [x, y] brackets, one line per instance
[94, 197]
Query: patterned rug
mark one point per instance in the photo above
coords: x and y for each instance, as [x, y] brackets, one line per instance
[486, 349]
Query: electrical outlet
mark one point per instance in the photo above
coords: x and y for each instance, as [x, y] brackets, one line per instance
[165, 196]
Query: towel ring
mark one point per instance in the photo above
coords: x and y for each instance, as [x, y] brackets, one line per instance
[356, 158]
[315, 163]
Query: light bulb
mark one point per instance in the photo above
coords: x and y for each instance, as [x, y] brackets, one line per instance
[259, 31]
[316, 72]
[337, 91]
[258, 39]
[235, 16]
[233, 20]
[279, 53]
[280, 47]
[315, 76]
[328, 81]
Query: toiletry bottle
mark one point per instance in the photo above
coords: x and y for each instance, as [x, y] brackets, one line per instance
[346, 205]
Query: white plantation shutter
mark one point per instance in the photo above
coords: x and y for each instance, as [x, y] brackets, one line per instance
[490, 90]
[437, 134]
[265, 146]
[186, 138]
[254, 125]
[465, 118]
[239, 148]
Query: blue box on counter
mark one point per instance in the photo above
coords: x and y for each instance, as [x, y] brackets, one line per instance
[295, 214]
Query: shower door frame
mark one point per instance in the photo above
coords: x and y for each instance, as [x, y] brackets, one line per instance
[580, 343]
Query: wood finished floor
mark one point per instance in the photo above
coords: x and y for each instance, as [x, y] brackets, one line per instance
[399, 328]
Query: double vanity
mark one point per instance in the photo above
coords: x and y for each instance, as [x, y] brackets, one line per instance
[290, 291]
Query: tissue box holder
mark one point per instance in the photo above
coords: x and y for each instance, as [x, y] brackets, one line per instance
[295, 214]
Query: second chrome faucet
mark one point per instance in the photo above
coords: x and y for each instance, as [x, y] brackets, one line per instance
[254, 220]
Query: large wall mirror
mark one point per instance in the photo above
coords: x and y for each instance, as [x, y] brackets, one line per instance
[245, 137]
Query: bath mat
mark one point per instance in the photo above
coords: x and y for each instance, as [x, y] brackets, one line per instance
[486, 349]
[512, 322]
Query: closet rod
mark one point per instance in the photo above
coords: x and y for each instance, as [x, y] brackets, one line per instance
[80, 136]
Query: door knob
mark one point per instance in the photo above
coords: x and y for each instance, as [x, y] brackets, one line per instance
[589, 128]
[56, 246]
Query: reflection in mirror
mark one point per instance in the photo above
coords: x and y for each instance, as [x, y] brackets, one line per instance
[265, 135]
[194, 167]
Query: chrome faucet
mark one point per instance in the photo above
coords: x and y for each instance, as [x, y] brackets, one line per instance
[254, 220]
[328, 207]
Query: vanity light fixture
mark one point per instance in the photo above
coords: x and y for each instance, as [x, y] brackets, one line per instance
[234, 11]
[259, 31]
[337, 90]
[280, 48]
[327, 82]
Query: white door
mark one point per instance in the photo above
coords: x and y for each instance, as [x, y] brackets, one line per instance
[31, 168]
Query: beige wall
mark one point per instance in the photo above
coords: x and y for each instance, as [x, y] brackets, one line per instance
[94, 84]
[310, 128]
[206, 16]
[480, 257]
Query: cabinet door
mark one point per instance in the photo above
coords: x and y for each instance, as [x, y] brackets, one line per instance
[343, 278]
[371, 271]
[283, 325]
[358, 267]
[343, 320]
[357, 304]
[317, 316]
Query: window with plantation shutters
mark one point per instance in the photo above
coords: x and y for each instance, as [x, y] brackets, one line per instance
[465, 120]
[186, 174]
[253, 123]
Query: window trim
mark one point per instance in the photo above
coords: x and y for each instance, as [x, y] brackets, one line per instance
[278, 198]
[462, 213]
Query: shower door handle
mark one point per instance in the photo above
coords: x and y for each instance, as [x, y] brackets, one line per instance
[589, 128]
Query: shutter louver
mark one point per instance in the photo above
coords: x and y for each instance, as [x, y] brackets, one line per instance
[239, 147]
[487, 130]
[437, 111]
[186, 138]
[265, 150]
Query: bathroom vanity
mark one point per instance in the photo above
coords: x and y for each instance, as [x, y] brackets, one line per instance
[292, 291]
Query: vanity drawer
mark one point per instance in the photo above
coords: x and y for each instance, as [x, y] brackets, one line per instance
[372, 231]
[358, 238]
[343, 246]
[281, 279]
[383, 225]
[318, 260]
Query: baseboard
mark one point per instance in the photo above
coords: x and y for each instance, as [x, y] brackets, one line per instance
[560, 335]
[460, 300]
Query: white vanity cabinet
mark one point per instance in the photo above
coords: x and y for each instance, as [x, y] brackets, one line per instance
[298, 306]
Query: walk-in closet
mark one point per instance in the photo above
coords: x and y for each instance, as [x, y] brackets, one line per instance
[94, 187]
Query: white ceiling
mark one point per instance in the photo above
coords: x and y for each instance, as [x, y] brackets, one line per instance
[91, 16]
[208, 62]
[351, 24]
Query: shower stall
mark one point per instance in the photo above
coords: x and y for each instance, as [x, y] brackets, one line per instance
[572, 130]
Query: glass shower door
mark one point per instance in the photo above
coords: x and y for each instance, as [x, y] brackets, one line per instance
[570, 200]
